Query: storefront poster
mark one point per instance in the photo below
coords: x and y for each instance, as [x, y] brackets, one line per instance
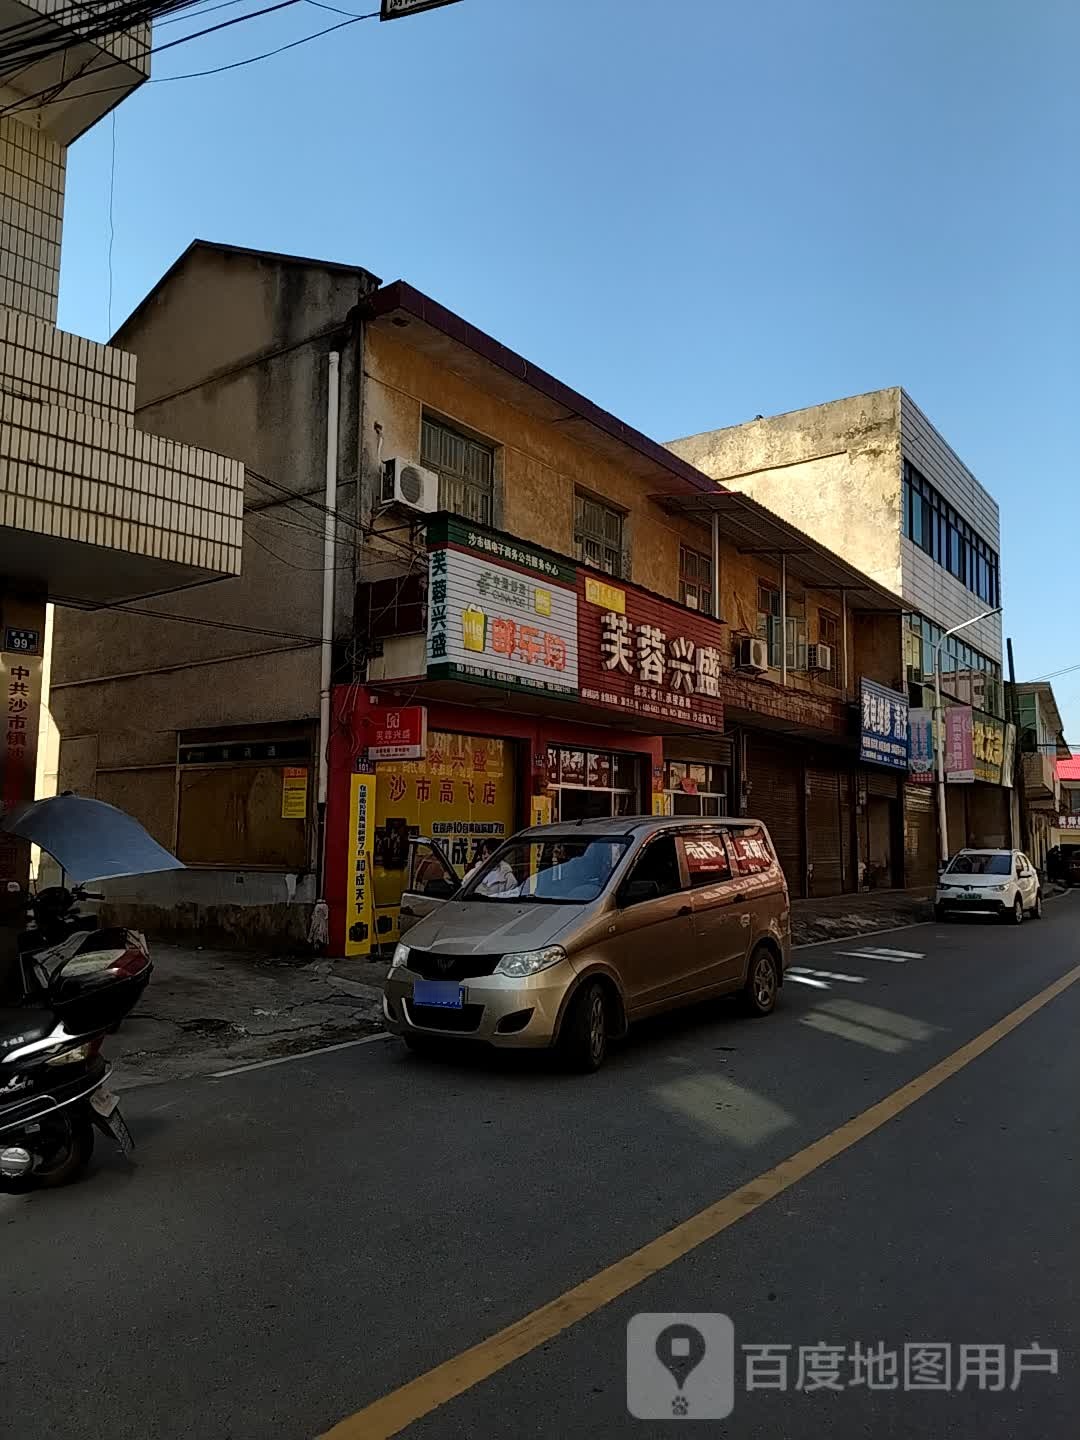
[399, 734]
[20, 692]
[988, 748]
[959, 745]
[1008, 763]
[500, 611]
[921, 758]
[645, 656]
[540, 810]
[359, 914]
[884, 728]
[294, 792]
[462, 791]
[1069, 822]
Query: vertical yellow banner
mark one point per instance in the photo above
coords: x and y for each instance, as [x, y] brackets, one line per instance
[359, 917]
[540, 810]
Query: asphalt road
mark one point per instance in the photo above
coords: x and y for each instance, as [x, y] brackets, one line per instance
[296, 1242]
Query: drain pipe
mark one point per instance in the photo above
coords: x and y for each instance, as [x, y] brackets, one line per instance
[333, 401]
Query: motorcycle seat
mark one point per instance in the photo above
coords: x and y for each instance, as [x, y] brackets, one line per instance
[22, 1026]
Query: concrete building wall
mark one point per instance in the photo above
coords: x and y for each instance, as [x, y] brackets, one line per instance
[833, 470]
[537, 467]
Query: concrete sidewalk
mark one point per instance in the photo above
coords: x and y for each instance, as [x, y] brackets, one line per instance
[208, 1010]
[837, 916]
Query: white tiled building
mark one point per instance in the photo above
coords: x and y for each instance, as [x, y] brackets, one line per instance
[93, 511]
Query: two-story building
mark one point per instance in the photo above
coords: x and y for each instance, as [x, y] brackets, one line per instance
[872, 477]
[534, 610]
[1067, 829]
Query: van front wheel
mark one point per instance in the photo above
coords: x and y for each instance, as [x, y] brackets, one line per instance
[583, 1039]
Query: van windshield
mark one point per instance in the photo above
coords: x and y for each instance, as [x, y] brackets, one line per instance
[560, 872]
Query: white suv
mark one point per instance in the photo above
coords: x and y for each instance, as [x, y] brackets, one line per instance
[989, 882]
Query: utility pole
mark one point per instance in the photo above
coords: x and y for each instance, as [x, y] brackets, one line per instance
[1018, 757]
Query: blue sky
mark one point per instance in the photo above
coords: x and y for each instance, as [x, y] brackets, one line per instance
[692, 211]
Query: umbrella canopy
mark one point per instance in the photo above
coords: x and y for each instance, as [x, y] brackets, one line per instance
[89, 839]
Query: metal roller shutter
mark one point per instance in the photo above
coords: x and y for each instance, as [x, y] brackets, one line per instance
[824, 833]
[775, 782]
[920, 835]
[956, 805]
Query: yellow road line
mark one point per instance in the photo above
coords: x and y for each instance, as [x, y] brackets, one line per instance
[394, 1412]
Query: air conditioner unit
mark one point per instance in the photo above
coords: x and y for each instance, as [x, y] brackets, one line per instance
[406, 483]
[819, 657]
[752, 654]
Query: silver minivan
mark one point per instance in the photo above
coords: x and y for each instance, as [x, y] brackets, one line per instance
[568, 933]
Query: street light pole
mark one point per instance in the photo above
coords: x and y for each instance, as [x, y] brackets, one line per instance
[939, 730]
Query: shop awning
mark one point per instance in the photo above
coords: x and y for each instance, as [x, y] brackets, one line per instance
[757, 531]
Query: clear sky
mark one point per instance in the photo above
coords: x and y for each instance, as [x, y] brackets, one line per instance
[693, 211]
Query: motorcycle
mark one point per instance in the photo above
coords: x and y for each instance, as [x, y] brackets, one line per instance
[76, 983]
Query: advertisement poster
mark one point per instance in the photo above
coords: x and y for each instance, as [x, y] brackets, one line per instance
[359, 915]
[1008, 763]
[541, 810]
[921, 758]
[399, 734]
[20, 692]
[959, 745]
[884, 730]
[988, 748]
[462, 791]
[499, 611]
[294, 788]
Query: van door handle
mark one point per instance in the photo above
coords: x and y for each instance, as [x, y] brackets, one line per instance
[685, 910]
[740, 899]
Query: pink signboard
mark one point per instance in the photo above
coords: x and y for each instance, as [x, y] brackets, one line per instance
[959, 745]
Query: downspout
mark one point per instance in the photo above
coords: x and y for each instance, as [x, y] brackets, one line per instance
[333, 403]
[783, 617]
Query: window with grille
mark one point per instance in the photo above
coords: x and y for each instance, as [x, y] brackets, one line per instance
[598, 535]
[695, 579]
[829, 634]
[768, 620]
[466, 470]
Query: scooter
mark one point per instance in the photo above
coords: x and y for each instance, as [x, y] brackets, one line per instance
[79, 985]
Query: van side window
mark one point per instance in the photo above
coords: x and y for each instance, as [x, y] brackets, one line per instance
[750, 850]
[706, 858]
[657, 866]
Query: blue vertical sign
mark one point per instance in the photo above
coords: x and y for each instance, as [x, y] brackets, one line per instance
[884, 726]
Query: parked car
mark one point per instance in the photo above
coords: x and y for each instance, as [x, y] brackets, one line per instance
[989, 882]
[1063, 864]
[569, 933]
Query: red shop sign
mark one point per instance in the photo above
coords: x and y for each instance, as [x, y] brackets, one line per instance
[644, 656]
[399, 734]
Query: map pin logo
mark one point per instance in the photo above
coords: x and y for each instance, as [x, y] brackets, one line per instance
[680, 1349]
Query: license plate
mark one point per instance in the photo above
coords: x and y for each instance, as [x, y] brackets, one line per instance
[104, 1102]
[446, 994]
[120, 1133]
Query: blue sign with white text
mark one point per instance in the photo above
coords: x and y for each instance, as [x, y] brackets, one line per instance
[884, 726]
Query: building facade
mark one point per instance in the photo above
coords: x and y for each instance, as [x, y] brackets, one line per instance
[1067, 829]
[871, 476]
[1042, 748]
[95, 512]
[554, 615]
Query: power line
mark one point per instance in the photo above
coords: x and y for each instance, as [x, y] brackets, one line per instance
[196, 620]
[53, 96]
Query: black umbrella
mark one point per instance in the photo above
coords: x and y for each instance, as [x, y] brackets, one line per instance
[89, 839]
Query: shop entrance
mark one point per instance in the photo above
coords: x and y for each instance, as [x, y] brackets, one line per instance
[593, 784]
[696, 789]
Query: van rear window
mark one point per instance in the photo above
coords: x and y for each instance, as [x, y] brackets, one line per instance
[750, 847]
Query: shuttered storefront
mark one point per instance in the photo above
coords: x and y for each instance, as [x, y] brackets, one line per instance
[775, 775]
[920, 835]
[988, 811]
[879, 830]
[956, 806]
[824, 831]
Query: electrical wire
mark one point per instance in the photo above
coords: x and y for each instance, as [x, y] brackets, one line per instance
[54, 96]
[197, 620]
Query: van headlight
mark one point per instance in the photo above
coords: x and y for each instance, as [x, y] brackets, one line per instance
[529, 962]
[401, 956]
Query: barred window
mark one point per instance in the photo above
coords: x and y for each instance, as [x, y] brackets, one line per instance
[598, 535]
[465, 467]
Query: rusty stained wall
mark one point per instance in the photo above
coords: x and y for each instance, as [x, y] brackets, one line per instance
[536, 467]
[834, 470]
